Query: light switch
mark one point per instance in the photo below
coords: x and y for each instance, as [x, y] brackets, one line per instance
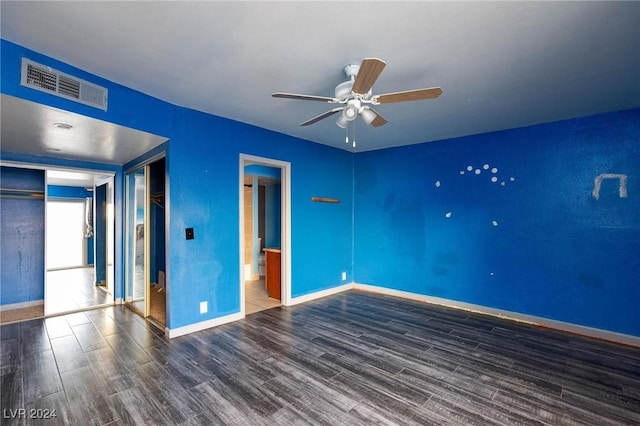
[189, 233]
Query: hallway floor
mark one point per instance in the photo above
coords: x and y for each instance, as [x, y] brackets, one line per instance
[73, 289]
[67, 290]
[256, 297]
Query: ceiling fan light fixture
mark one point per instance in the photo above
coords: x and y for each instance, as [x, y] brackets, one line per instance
[367, 115]
[349, 113]
[342, 122]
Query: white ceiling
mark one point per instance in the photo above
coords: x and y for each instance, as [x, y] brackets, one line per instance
[500, 64]
[28, 128]
[72, 178]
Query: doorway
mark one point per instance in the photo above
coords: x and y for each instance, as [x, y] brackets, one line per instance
[146, 286]
[79, 241]
[264, 233]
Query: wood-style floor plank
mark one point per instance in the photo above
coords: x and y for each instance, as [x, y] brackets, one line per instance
[354, 358]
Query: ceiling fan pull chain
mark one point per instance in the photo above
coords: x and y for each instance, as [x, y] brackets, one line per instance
[354, 134]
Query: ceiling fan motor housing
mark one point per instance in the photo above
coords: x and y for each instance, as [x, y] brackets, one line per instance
[343, 90]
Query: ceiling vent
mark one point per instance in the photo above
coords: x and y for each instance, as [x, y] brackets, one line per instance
[45, 79]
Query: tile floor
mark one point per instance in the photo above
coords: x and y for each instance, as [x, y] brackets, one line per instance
[256, 297]
[349, 359]
[73, 289]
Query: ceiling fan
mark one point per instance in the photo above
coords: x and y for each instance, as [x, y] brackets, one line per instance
[355, 95]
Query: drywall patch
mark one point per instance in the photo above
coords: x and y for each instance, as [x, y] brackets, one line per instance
[493, 170]
[597, 183]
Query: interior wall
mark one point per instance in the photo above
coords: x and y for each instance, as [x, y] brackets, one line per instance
[22, 242]
[204, 164]
[272, 215]
[540, 240]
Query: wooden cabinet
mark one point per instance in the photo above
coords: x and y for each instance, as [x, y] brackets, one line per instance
[272, 273]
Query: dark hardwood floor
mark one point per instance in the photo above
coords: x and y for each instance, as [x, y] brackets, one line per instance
[353, 358]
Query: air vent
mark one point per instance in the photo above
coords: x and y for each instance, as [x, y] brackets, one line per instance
[45, 79]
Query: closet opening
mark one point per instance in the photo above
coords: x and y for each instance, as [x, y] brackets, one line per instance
[145, 280]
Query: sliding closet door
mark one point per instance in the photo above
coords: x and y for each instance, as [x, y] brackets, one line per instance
[104, 212]
[137, 240]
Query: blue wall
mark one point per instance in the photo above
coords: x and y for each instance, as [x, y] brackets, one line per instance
[538, 244]
[273, 201]
[272, 215]
[66, 192]
[203, 193]
[554, 251]
[22, 238]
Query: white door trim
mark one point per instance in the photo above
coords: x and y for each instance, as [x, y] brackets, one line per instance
[285, 212]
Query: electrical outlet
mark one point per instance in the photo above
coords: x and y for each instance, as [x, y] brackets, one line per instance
[344, 276]
[203, 307]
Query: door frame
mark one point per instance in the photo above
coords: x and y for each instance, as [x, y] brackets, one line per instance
[108, 177]
[285, 228]
[145, 164]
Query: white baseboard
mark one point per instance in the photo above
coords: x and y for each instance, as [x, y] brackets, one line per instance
[510, 315]
[320, 294]
[192, 328]
[21, 305]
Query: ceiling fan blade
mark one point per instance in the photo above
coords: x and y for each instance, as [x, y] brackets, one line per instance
[409, 95]
[305, 97]
[370, 69]
[379, 120]
[322, 116]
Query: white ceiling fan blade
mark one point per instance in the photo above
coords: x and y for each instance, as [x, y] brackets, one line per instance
[305, 97]
[322, 116]
[409, 95]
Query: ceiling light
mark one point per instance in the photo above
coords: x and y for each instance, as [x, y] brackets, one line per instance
[64, 126]
[341, 122]
[349, 113]
[367, 115]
